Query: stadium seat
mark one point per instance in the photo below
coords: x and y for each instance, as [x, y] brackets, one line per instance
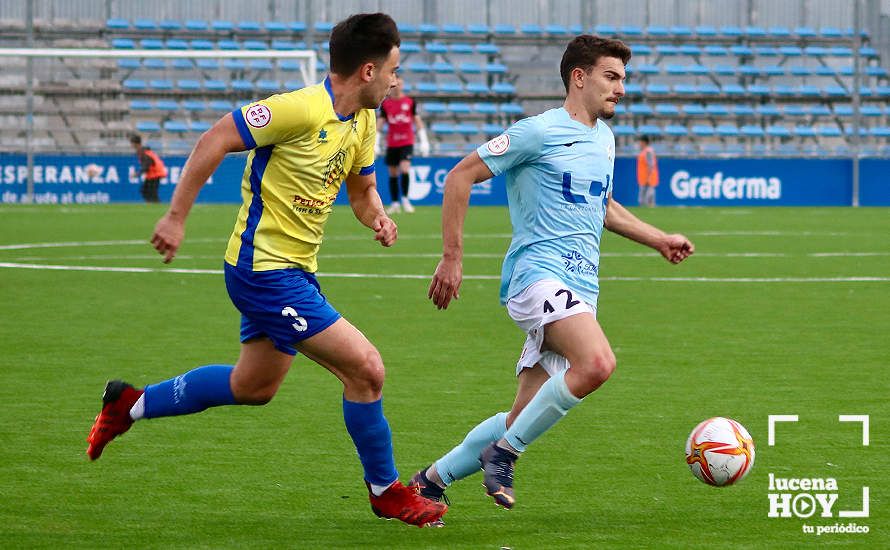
[260, 65]
[459, 108]
[784, 90]
[196, 25]
[160, 84]
[426, 87]
[215, 85]
[222, 26]
[434, 108]
[194, 105]
[716, 109]
[441, 67]
[255, 45]
[220, 105]
[751, 130]
[143, 24]
[658, 30]
[828, 131]
[503, 88]
[766, 51]
[199, 126]
[207, 64]
[298, 27]
[667, 109]
[477, 28]
[511, 109]
[702, 130]
[454, 88]
[487, 49]
[703, 31]
[324, 27]
[778, 131]
[655, 89]
[419, 67]
[630, 30]
[623, 130]
[640, 109]
[724, 70]
[632, 88]
[819, 110]
[485, 108]
[189, 84]
[442, 128]
[871, 110]
[436, 47]
[779, 32]
[804, 32]
[758, 90]
[843, 109]
[804, 131]
[731, 31]
[478, 88]
[248, 26]
[768, 110]
[128, 63]
[274, 27]
[234, 64]
[123, 43]
[267, 85]
[491, 129]
[228, 45]
[531, 29]
[495, 68]
[733, 90]
[470, 68]
[199, 44]
[693, 109]
[240, 85]
[140, 105]
[410, 47]
[117, 24]
[134, 84]
[460, 48]
[605, 30]
[148, 126]
[675, 130]
[794, 110]
[166, 105]
[641, 50]
[504, 29]
[176, 126]
[741, 109]
[715, 50]
[809, 90]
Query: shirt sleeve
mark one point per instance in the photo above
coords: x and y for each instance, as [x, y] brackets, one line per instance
[364, 154]
[276, 119]
[520, 143]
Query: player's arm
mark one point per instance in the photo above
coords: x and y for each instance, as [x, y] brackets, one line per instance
[423, 141]
[674, 247]
[449, 273]
[209, 151]
[368, 208]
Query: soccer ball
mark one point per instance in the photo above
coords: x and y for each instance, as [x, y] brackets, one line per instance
[720, 451]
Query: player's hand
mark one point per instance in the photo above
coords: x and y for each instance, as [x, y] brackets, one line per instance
[446, 283]
[676, 248]
[167, 237]
[386, 231]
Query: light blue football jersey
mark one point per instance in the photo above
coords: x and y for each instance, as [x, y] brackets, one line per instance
[559, 177]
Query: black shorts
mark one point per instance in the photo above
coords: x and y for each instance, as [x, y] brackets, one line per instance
[395, 155]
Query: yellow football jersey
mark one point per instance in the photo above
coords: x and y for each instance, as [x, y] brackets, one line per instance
[301, 152]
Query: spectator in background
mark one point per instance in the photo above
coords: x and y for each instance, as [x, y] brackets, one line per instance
[399, 112]
[151, 167]
[647, 172]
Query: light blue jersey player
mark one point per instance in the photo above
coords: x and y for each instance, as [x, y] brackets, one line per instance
[559, 168]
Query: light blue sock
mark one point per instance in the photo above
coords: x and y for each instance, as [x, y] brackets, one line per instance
[551, 403]
[463, 460]
[372, 437]
[191, 392]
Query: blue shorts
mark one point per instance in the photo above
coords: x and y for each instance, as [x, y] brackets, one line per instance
[285, 305]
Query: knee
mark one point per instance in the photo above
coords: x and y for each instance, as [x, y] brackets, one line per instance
[369, 373]
[596, 370]
[253, 392]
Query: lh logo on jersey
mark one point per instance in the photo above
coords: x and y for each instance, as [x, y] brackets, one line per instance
[499, 145]
[258, 116]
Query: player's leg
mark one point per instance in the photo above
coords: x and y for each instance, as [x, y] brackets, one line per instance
[344, 351]
[463, 460]
[152, 189]
[405, 178]
[641, 195]
[392, 166]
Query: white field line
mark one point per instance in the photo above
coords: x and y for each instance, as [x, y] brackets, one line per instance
[12, 265]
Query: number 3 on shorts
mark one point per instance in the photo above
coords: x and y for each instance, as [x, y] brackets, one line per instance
[299, 323]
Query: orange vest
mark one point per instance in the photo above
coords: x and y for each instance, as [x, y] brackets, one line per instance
[645, 176]
[157, 170]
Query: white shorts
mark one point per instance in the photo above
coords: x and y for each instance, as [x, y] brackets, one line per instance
[541, 303]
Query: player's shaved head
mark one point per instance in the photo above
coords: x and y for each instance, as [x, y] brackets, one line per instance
[361, 38]
[584, 51]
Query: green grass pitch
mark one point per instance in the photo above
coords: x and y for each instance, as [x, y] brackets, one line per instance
[771, 316]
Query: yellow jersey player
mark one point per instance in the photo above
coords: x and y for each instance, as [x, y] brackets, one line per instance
[303, 145]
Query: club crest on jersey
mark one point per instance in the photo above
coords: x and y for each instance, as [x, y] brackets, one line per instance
[322, 136]
[334, 170]
[499, 145]
[258, 115]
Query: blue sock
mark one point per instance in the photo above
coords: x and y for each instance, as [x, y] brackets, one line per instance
[191, 392]
[551, 403]
[373, 440]
[463, 460]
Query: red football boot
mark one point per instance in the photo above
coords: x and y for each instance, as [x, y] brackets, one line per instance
[114, 419]
[404, 504]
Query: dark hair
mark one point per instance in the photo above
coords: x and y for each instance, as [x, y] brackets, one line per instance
[585, 50]
[361, 38]
[136, 139]
[644, 139]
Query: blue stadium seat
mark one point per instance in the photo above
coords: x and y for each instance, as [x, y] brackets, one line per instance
[454, 88]
[741, 50]
[155, 63]
[201, 44]
[791, 51]
[284, 45]
[705, 31]
[804, 131]
[676, 69]
[702, 130]
[207, 64]
[641, 109]
[667, 49]
[753, 31]
[870, 110]
[487, 49]
[801, 70]
[693, 109]
[143, 24]
[843, 109]
[426, 87]
[840, 51]
[758, 90]
[434, 108]
[751, 130]
[199, 126]
[260, 65]
[267, 85]
[428, 28]
[194, 105]
[716, 109]
[410, 47]
[324, 27]
[647, 69]
[868, 51]
[623, 130]
[773, 70]
[766, 51]
[831, 32]
[441, 67]
[620, 109]
[166, 105]
[419, 67]
[160, 84]
[816, 51]
[298, 84]
[504, 29]
[809, 90]
[241, 85]
[459, 108]
[503, 88]
[215, 85]
[452, 28]
[466, 129]
[176, 126]
[819, 110]
[656, 88]
[140, 105]
[148, 126]
[630, 30]
[289, 65]
[725, 70]
[151, 44]
[715, 50]
[196, 25]
[248, 26]
[234, 64]
[128, 63]
[649, 129]
[778, 131]
[511, 109]
[220, 105]
[442, 128]
[632, 88]
[275, 27]
[749, 70]
[680, 89]
[255, 45]
[675, 130]
[768, 110]
[492, 129]
[880, 131]
[460, 48]
[828, 131]
[667, 109]
[731, 31]
[804, 32]
[496, 68]
[727, 130]
[117, 24]
[794, 110]
[681, 31]
[229, 45]
[658, 30]
[299, 27]
[123, 43]
[222, 26]
[779, 32]
[478, 88]
[708, 89]
[470, 68]
[640, 50]
[436, 47]
[877, 71]
[741, 109]
[485, 108]
[733, 90]
[477, 28]
[689, 49]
